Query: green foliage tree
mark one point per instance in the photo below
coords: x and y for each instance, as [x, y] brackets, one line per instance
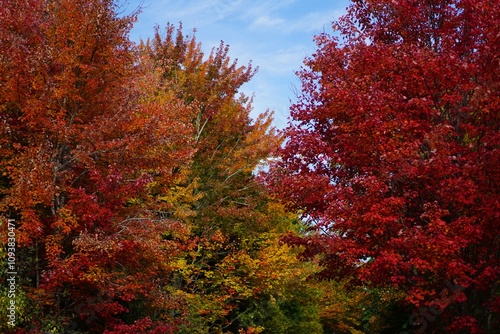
[234, 222]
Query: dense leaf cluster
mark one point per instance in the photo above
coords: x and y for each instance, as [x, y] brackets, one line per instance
[129, 172]
[393, 157]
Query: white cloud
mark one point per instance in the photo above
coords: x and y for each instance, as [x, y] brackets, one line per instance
[265, 21]
[312, 22]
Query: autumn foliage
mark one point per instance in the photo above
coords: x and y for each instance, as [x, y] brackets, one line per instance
[393, 157]
[130, 173]
[128, 170]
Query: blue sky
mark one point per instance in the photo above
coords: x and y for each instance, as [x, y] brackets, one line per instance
[276, 35]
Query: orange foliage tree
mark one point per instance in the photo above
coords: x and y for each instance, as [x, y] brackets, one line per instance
[79, 148]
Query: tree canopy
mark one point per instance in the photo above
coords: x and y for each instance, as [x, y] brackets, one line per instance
[131, 199]
[392, 156]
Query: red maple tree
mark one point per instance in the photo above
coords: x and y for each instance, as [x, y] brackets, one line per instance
[392, 155]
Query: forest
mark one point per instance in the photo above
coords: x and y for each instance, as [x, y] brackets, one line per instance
[138, 195]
